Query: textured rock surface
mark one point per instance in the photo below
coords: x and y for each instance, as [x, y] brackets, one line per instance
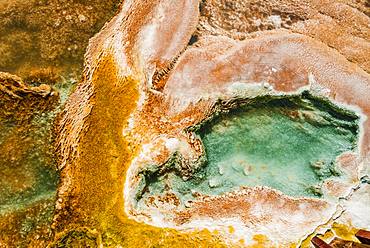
[28, 177]
[43, 42]
[158, 71]
[39, 38]
[169, 70]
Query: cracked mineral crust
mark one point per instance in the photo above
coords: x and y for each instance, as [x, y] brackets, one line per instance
[212, 123]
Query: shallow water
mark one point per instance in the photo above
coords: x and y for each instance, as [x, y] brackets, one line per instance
[289, 144]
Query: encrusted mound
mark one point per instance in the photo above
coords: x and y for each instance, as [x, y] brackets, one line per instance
[157, 70]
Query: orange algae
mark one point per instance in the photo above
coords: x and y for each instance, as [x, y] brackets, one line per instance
[345, 232]
[98, 173]
[260, 241]
[28, 227]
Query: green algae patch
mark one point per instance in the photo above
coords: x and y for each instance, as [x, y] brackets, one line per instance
[28, 175]
[289, 143]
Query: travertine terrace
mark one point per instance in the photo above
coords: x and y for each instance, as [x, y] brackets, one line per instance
[218, 123]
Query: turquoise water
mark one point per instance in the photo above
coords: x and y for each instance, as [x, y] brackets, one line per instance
[286, 143]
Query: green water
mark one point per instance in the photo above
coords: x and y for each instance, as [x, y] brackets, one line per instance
[286, 143]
